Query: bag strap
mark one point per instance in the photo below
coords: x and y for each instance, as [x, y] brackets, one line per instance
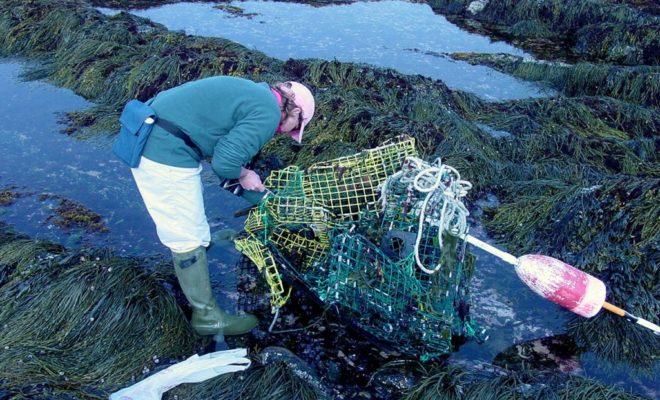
[178, 132]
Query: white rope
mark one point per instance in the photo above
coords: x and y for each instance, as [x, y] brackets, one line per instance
[272, 324]
[442, 184]
[453, 215]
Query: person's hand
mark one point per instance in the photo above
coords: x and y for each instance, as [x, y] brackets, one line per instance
[249, 180]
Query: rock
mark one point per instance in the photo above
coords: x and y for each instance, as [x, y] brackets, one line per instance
[392, 380]
[477, 6]
[299, 367]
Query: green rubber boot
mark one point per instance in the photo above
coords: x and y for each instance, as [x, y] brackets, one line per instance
[192, 271]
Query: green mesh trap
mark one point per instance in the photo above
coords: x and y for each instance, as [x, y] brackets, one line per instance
[377, 234]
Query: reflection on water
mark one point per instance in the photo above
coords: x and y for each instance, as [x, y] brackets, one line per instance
[394, 34]
[504, 305]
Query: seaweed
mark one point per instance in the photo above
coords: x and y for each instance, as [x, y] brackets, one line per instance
[70, 214]
[609, 230]
[633, 84]
[269, 382]
[455, 382]
[591, 30]
[141, 4]
[576, 177]
[82, 324]
[8, 196]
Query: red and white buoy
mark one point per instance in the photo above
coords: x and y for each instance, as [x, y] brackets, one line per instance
[562, 284]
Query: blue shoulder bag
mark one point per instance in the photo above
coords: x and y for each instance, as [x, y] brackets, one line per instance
[137, 120]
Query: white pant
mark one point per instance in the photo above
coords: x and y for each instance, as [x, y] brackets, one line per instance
[173, 197]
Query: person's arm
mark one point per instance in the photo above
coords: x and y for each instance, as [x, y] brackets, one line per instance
[242, 143]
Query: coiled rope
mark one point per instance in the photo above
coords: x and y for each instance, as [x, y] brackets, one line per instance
[442, 185]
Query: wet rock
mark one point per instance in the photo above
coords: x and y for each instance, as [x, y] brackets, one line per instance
[554, 353]
[389, 381]
[299, 367]
[235, 11]
[477, 6]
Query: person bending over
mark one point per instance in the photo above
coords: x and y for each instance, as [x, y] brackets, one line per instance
[228, 120]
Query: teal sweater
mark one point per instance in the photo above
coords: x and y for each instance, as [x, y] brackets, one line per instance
[228, 118]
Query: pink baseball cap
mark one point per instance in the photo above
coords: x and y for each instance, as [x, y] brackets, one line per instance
[304, 99]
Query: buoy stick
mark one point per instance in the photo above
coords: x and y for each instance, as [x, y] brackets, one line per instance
[492, 250]
[632, 318]
[614, 309]
[585, 301]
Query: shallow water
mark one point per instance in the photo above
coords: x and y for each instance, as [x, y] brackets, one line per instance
[405, 36]
[38, 159]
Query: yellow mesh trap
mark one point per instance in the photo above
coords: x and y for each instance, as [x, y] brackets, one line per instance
[377, 234]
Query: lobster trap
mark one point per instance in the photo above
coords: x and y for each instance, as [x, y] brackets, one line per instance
[377, 234]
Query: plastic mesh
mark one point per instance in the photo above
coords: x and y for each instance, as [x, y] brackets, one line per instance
[349, 229]
[263, 259]
[386, 297]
